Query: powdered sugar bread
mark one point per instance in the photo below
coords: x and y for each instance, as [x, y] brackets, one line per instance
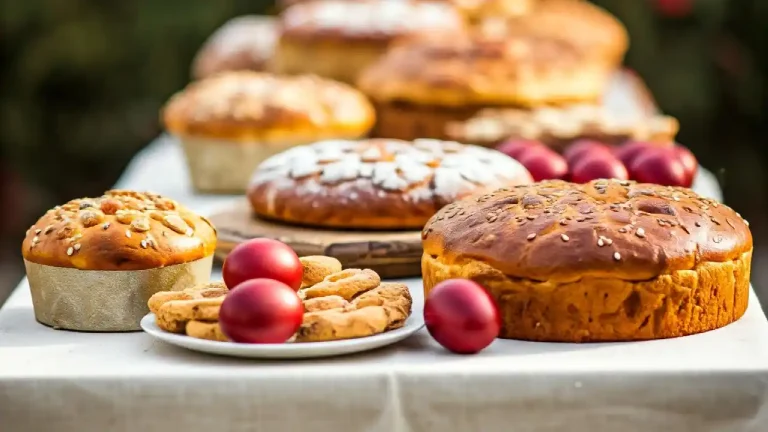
[377, 183]
[338, 39]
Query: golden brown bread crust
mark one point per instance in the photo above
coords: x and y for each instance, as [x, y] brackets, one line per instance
[256, 107]
[602, 309]
[483, 70]
[407, 121]
[559, 126]
[608, 260]
[562, 232]
[375, 184]
[581, 23]
[242, 43]
[121, 230]
[372, 21]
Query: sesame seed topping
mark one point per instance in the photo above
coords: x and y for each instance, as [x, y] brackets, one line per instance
[622, 230]
[70, 251]
[564, 237]
[616, 256]
[105, 226]
[531, 236]
[35, 239]
[697, 223]
[76, 246]
[563, 222]
[144, 244]
[38, 231]
[608, 241]
[640, 232]
[746, 222]
[600, 242]
[128, 233]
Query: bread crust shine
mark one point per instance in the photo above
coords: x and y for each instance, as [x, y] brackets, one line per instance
[121, 230]
[480, 70]
[609, 260]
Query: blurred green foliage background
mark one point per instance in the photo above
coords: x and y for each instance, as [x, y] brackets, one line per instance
[83, 80]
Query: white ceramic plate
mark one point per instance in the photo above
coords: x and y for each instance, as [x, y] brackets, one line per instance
[288, 350]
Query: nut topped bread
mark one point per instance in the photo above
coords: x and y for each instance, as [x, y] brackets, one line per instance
[121, 230]
[255, 106]
[93, 263]
[607, 260]
[231, 122]
[377, 183]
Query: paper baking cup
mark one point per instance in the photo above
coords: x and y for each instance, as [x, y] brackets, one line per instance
[105, 301]
[220, 166]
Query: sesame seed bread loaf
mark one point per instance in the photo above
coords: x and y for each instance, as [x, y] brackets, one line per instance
[338, 39]
[377, 183]
[604, 261]
[232, 121]
[93, 263]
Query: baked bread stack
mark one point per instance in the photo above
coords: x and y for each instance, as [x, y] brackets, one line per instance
[93, 263]
[337, 39]
[231, 122]
[377, 183]
[603, 261]
[425, 83]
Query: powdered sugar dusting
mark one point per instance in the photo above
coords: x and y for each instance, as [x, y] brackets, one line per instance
[366, 17]
[422, 169]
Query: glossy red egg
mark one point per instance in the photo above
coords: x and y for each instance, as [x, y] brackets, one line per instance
[583, 148]
[598, 166]
[628, 152]
[261, 311]
[515, 148]
[262, 258]
[660, 166]
[461, 316]
[544, 164]
[689, 162]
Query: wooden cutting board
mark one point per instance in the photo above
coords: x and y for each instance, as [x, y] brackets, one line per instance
[392, 254]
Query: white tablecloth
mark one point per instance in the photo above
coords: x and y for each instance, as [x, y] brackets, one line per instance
[64, 381]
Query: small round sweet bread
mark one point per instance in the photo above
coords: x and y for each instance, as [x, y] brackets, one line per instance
[338, 39]
[93, 263]
[377, 183]
[604, 261]
[232, 121]
[242, 43]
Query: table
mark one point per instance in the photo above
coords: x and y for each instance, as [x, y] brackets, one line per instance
[67, 381]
